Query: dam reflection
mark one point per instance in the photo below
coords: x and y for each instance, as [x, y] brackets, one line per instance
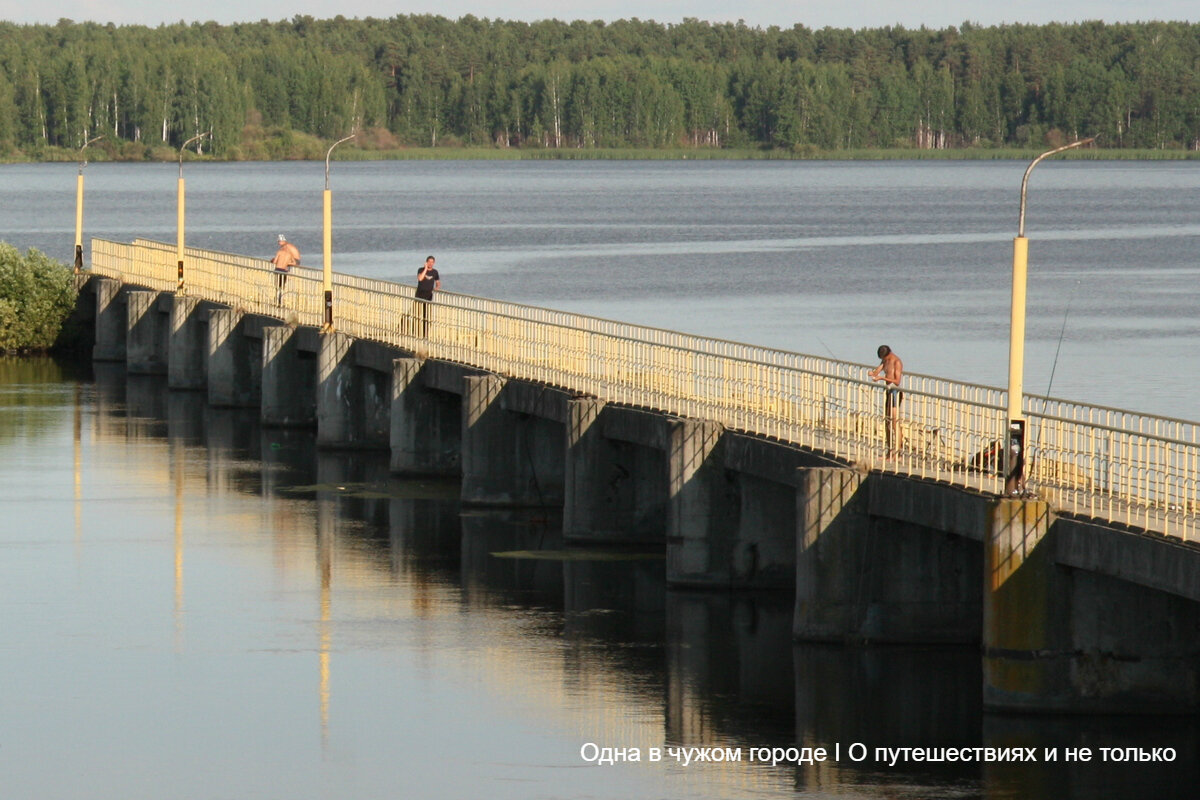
[595, 631]
[714, 668]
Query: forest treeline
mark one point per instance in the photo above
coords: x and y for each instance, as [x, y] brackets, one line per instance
[280, 89]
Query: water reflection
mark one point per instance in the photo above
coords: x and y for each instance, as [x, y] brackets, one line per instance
[379, 617]
[729, 669]
[1096, 777]
[889, 696]
[33, 392]
[515, 579]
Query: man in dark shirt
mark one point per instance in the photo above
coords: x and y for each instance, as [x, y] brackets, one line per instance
[428, 281]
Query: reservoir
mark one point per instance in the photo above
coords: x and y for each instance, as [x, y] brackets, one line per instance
[196, 606]
[826, 258]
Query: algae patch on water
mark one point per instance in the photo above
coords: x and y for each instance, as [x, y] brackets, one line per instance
[395, 490]
[579, 555]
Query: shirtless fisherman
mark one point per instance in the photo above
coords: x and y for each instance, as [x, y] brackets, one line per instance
[890, 371]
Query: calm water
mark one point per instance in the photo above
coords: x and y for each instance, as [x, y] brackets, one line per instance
[195, 607]
[819, 257]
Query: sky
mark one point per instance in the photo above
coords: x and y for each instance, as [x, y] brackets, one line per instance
[757, 13]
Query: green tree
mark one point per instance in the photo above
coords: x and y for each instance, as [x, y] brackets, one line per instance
[36, 296]
[8, 115]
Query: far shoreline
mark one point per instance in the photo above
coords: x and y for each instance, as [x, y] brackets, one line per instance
[159, 154]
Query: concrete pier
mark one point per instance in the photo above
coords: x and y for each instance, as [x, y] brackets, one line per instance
[765, 475]
[235, 361]
[337, 389]
[426, 422]
[512, 443]
[354, 392]
[1058, 638]
[488, 445]
[289, 376]
[702, 516]
[147, 332]
[866, 572]
[111, 319]
[732, 519]
[187, 357]
[615, 474]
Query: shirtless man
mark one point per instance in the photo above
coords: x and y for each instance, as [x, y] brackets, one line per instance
[890, 371]
[285, 258]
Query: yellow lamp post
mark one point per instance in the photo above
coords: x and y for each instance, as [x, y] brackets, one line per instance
[1014, 450]
[180, 204]
[79, 204]
[327, 238]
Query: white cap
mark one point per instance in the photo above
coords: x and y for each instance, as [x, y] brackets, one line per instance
[281, 238]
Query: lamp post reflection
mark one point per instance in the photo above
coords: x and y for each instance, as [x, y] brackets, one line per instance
[327, 523]
[177, 467]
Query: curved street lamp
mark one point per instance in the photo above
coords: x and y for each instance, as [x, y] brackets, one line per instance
[327, 238]
[181, 204]
[79, 203]
[1014, 445]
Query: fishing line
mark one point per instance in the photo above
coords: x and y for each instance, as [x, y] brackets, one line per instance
[827, 349]
[1053, 369]
[1058, 349]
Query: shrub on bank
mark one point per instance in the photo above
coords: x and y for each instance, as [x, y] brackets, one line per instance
[36, 296]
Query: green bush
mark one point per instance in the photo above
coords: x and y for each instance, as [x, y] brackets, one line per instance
[36, 296]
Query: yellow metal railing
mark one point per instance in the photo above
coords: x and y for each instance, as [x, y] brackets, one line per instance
[1107, 463]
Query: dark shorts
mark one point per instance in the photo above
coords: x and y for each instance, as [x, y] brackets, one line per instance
[893, 400]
